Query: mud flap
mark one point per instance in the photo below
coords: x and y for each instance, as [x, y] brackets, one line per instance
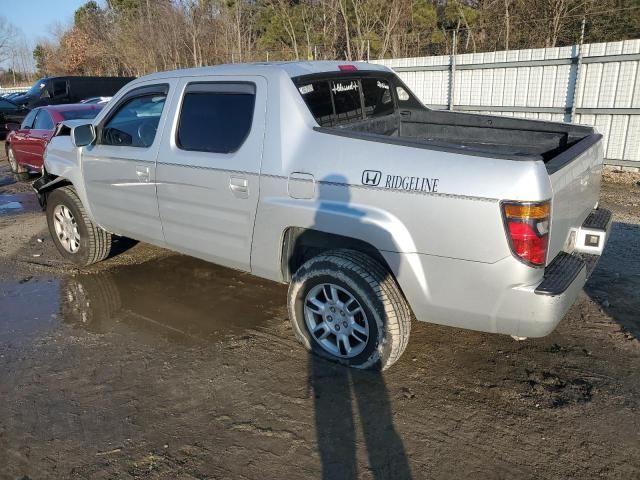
[44, 184]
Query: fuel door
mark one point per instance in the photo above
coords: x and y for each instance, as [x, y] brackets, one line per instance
[301, 185]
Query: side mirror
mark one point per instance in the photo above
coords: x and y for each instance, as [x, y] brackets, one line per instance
[83, 135]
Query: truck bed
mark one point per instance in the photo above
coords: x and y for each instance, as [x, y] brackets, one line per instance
[481, 135]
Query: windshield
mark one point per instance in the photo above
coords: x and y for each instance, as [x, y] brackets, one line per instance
[80, 114]
[34, 91]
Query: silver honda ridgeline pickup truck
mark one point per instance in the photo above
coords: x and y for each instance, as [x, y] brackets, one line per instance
[334, 178]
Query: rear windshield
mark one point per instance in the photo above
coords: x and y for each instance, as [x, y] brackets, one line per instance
[80, 114]
[339, 101]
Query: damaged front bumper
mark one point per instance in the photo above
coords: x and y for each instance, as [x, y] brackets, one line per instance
[42, 185]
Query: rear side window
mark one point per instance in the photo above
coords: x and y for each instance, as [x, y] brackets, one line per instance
[216, 117]
[43, 121]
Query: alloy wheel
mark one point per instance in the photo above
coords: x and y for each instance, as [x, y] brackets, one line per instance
[336, 320]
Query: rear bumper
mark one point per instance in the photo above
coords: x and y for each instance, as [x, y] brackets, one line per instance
[505, 297]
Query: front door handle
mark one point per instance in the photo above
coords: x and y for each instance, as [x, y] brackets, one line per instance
[143, 174]
[239, 186]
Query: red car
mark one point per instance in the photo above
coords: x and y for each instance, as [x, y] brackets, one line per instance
[25, 146]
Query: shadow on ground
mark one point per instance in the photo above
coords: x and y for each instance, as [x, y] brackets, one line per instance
[615, 283]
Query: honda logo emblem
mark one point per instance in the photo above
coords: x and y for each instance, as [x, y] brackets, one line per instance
[371, 177]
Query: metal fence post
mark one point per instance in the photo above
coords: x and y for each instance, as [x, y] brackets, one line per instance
[452, 75]
[578, 65]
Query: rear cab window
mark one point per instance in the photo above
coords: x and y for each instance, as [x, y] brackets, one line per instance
[338, 99]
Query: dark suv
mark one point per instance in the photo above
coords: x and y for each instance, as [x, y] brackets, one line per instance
[57, 90]
[11, 116]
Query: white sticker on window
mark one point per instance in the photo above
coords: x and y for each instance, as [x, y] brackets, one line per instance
[382, 85]
[306, 89]
[341, 87]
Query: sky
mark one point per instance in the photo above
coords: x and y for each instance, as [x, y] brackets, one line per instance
[34, 17]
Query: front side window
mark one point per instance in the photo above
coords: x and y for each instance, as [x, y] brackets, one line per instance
[27, 123]
[43, 121]
[59, 88]
[216, 118]
[135, 123]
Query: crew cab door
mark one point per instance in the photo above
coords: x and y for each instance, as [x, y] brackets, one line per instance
[120, 167]
[208, 168]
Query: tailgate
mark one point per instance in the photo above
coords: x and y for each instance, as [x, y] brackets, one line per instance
[575, 181]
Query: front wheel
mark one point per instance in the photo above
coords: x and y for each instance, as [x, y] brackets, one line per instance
[75, 236]
[345, 306]
[13, 162]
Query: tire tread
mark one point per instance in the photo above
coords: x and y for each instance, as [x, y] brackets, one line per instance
[99, 240]
[396, 311]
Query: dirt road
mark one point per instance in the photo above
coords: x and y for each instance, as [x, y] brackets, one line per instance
[156, 365]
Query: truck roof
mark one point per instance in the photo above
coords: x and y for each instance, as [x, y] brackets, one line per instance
[293, 69]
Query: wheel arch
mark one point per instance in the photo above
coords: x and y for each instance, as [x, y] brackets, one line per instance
[300, 244]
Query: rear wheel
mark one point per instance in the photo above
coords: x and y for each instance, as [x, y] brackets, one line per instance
[345, 306]
[75, 236]
[13, 162]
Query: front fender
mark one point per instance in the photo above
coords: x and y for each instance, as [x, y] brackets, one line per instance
[63, 160]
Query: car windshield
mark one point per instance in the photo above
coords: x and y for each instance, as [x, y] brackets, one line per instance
[36, 87]
[80, 114]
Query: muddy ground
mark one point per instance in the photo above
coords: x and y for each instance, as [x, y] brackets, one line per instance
[156, 365]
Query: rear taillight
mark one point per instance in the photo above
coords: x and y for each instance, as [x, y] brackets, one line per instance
[527, 226]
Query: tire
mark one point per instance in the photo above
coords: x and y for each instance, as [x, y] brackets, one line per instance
[93, 244]
[385, 312]
[13, 162]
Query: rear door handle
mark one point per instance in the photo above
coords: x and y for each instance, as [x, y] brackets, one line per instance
[143, 174]
[239, 186]
[405, 113]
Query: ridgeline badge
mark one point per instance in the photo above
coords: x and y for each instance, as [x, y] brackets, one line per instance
[400, 182]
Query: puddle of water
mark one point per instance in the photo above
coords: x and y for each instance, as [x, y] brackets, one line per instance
[28, 307]
[182, 297]
[7, 180]
[11, 203]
